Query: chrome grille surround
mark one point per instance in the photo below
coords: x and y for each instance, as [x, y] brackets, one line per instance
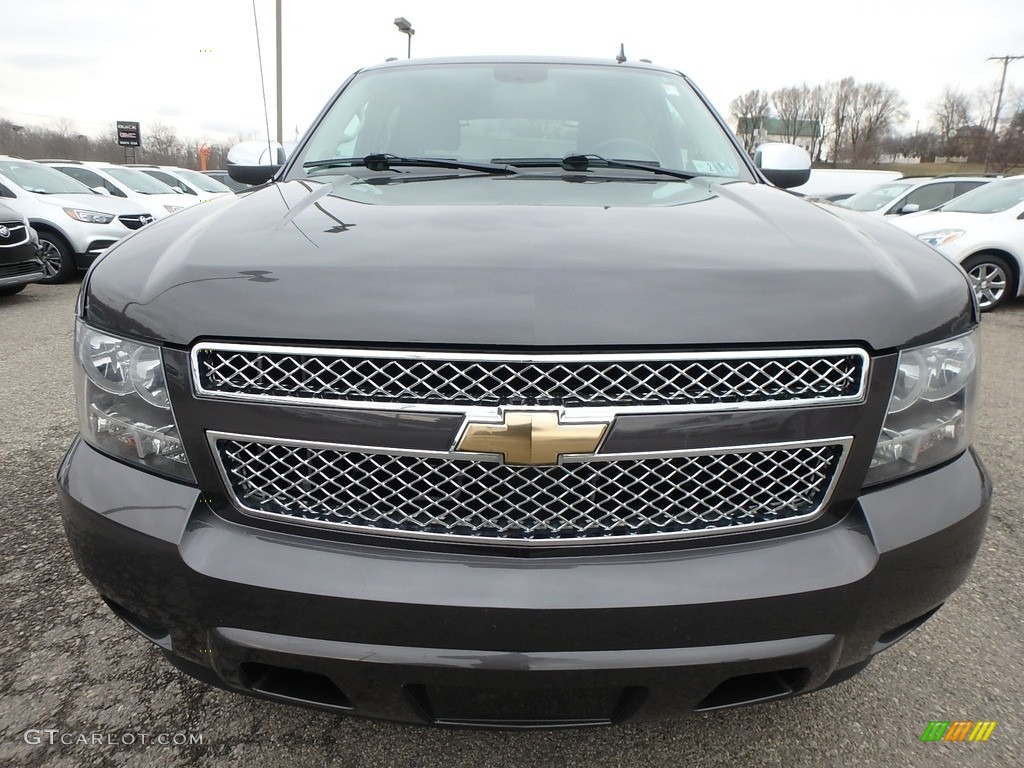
[591, 499]
[16, 234]
[440, 381]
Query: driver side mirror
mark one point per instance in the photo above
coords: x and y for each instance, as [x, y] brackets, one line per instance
[909, 208]
[784, 165]
[255, 162]
[101, 191]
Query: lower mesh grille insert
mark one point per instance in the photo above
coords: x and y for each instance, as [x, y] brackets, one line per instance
[580, 501]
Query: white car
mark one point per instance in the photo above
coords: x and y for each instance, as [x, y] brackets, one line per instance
[199, 185]
[911, 195]
[75, 224]
[128, 183]
[983, 231]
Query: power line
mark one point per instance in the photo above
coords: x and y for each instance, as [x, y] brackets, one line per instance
[999, 102]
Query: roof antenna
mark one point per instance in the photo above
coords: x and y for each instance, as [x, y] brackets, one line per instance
[622, 53]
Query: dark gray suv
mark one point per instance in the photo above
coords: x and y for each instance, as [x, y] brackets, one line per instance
[521, 399]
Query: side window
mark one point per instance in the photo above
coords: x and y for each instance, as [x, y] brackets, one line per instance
[5, 192]
[83, 175]
[92, 180]
[966, 186]
[170, 181]
[931, 196]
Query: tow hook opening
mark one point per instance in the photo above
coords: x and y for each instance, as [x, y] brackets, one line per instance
[760, 686]
[296, 685]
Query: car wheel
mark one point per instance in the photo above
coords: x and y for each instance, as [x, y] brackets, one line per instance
[11, 290]
[990, 276]
[58, 262]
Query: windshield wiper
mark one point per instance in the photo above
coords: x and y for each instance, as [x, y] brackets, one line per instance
[583, 163]
[385, 162]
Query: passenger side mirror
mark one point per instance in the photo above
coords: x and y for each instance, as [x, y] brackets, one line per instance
[255, 162]
[784, 165]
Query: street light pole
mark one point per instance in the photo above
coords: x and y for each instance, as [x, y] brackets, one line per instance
[406, 29]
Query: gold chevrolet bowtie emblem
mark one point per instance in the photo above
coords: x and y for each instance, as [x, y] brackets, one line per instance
[531, 437]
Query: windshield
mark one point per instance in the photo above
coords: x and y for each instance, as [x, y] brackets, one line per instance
[41, 179]
[875, 198]
[504, 112]
[137, 181]
[993, 197]
[201, 180]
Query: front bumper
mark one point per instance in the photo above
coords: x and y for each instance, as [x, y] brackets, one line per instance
[12, 275]
[489, 640]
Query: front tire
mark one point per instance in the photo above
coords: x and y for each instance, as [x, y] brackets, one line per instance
[991, 278]
[58, 261]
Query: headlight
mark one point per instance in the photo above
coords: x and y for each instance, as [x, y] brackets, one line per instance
[173, 208]
[931, 410]
[123, 406]
[89, 217]
[940, 236]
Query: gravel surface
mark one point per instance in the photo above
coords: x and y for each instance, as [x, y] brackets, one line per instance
[72, 672]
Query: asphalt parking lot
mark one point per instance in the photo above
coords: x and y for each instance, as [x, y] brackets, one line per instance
[78, 688]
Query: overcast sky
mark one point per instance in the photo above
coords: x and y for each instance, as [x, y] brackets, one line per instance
[193, 64]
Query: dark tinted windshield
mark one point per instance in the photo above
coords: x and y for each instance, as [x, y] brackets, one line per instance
[991, 198]
[508, 111]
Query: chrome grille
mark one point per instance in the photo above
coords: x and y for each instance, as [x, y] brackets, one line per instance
[135, 221]
[13, 233]
[575, 502]
[460, 380]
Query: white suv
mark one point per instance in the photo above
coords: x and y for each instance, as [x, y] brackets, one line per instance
[129, 183]
[910, 194]
[75, 224]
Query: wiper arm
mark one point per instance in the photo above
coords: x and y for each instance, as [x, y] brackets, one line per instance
[583, 162]
[384, 162]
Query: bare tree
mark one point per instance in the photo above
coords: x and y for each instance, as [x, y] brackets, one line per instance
[791, 107]
[952, 114]
[750, 111]
[843, 95]
[1008, 152]
[819, 108]
[875, 110]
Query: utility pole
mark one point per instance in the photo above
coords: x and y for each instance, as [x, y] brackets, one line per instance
[999, 103]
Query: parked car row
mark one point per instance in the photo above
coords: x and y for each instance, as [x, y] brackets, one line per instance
[79, 209]
[976, 221]
[983, 231]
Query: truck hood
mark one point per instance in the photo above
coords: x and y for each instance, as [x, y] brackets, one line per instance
[525, 261]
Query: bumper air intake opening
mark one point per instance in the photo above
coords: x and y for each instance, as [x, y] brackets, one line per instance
[295, 685]
[760, 686]
[898, 633]
[155, 634]
[511, 708]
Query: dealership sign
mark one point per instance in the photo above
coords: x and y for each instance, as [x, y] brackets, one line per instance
[128, 134]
